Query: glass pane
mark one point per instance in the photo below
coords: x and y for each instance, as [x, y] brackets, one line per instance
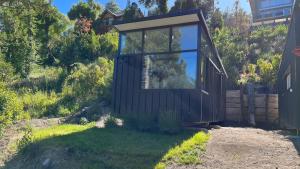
[131, 43]
[170, 71]
[157, 40]
[184, 38]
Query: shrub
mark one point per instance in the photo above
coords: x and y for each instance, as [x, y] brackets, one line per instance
[11, 108]
[91, 82]
[26, 139]
[42, 79]
[169, 122]
[83, 121]
[6, 71]
[37, 104]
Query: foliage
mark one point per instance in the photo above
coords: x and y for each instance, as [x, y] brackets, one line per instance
[89, 10]
[216, 21]
[205, 5]
[44, 79]
[266, 40]
[238, 19]
[6, 71]
[233, 50]
[188, 153]
[11, 108]
[77, 47]
[109, 43]
[112, 6]
[169, 122]
[83, 121]
[26, 139]
[86, 83]
[249, 75]
[131, 12]
[38, 104]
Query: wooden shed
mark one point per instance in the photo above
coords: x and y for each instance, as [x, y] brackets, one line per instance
[168, 63]
[289, 75]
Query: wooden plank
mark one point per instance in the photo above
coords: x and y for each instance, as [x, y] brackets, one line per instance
[233, 105]
[273, 105]
[233, 93]
[136, 84]
[260, 111]
[118, 86]
[130, 86]
[233, 100]
[233, 111]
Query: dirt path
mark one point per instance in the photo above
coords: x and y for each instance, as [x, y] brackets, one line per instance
[232, 148]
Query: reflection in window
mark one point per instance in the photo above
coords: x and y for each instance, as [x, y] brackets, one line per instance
[131, 43]
[157, 40]
[184, 38]
[170, 71]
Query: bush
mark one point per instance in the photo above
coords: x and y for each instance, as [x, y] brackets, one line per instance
[147, 122]
[42, 79]
[91, 82]
[169, 122]
[38, 104]
[6, 71]
[11, 108]
[26, 139]
[83, 121]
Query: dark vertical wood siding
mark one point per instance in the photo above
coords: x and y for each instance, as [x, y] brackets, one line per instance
[191, 105]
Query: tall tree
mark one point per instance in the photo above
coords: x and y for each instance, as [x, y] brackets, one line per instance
[206, 6]
[112, 6]
[89, 10]
[132, 11]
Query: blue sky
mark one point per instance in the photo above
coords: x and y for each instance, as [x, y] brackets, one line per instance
[65, 5]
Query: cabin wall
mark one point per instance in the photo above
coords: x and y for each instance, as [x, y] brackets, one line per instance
[193, 105]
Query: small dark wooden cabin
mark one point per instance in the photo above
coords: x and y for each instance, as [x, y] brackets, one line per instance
[169, 63]
[289, 75]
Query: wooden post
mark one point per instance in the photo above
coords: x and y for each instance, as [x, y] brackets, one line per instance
[242, 102]
[251, 103]
[267, 107]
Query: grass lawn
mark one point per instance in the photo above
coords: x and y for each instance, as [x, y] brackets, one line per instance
[87, 147]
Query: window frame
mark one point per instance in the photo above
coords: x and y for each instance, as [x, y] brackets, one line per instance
[143, 53]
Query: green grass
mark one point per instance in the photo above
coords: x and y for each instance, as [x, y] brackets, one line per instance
[187, 153]
[87, 147]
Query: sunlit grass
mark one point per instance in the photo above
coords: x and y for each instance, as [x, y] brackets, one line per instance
[187, 153]
[60, 130]
[85, 146]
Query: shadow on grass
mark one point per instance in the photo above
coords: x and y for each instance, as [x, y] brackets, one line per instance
[94, 148]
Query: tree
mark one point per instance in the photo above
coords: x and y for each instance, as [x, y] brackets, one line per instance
[233, 50]
[112, 6]
[89, 10]
[216, 21]
[266, 41]
[205, 5]
[237, 18]
[18, 44]
[132, 12]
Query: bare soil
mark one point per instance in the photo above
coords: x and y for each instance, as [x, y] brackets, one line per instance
[249, 148]
[14, 133]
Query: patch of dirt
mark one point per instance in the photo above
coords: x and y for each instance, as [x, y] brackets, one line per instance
[13, 133]
[249, 148]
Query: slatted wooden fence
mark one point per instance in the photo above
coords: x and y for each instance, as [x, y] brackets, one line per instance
[266, 107]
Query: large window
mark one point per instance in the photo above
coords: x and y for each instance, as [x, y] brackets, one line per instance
[184, 38]
[157, 40]
[131, 42]
[169, 56]
[170, 71]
